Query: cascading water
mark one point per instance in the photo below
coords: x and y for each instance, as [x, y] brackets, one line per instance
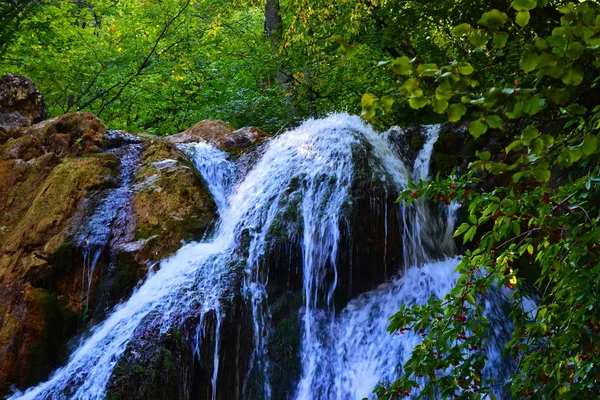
[97, 232]
[310, 168]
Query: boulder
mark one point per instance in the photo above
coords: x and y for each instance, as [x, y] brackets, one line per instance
[33, 326]
[221, 135]
[171, 203]
[244, 138]
[211, 130]
[39, 199]
[21, 104]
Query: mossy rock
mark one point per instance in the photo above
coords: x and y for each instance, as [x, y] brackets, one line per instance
[42, 224]
[33, 329]
[171, 202]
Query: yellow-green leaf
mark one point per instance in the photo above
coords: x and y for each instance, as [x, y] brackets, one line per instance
[455, 112]
[477, 128]
[401, 66]
[529, 61]
[461, 29]
[523, 18]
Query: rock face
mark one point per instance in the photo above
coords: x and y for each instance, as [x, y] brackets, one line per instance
[221, 135]
[54, 178]
[42, 188]
[21, 104]
[170, 203]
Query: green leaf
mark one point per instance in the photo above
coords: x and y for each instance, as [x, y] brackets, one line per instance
[461, 229]
[367, 100]
[387, 102]
[470, 234]
[409, 87]
[533, 105]
[497, 168]
[477, 128]
[367, 113]
[576, 109]
[500, 39]
[428, 70]
[465, 68]
[516, 145]
[537, 147]
[417, 102]
[529, 134]
[461, 29]
[439, 105]
[523, 18]
[479, 38]
[401, 66]
[485, 155]
[493, 19]
[470, 298]
[529, 61]
[573, 76]
[540, 44]
[589, 145]
[493, 121]
[517, 177]
[548, 140]
[541, 174]
[523, 5]
[455, 112]
[574, 50]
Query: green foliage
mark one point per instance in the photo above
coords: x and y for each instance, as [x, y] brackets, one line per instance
[149, 65]
[536, 231]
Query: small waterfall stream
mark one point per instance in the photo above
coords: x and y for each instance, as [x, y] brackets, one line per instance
[311, 168]
[101, 227]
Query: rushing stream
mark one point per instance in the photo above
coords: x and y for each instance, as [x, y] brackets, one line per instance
[343, 354]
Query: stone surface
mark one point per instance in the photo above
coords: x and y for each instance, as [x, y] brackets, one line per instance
[170, 203]
[212, 130]
[53, 175]
[21, 104]
[221, 135]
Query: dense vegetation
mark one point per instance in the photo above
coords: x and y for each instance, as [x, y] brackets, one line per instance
[521, 74]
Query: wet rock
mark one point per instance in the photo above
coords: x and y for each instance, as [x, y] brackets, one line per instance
[54, 176]
[409, 141]
[32, 327]
[21, 104]
[244, 138]
[171, 203]
[116, 138]
[163, 365]
[221, 135]
[35, 229]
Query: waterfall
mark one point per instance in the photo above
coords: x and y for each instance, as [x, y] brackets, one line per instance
[307, 172]
[99, 228]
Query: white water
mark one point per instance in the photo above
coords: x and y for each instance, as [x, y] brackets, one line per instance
[96, 234]
[342, 356]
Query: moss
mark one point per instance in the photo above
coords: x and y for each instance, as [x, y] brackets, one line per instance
[143, 233]
[65, 258]
[443, 163]
[416, 142]
[153, 370]
[115, 285]
[48, 344]
[284, 345]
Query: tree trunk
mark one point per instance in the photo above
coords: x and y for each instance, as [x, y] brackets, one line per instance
[274, 31]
